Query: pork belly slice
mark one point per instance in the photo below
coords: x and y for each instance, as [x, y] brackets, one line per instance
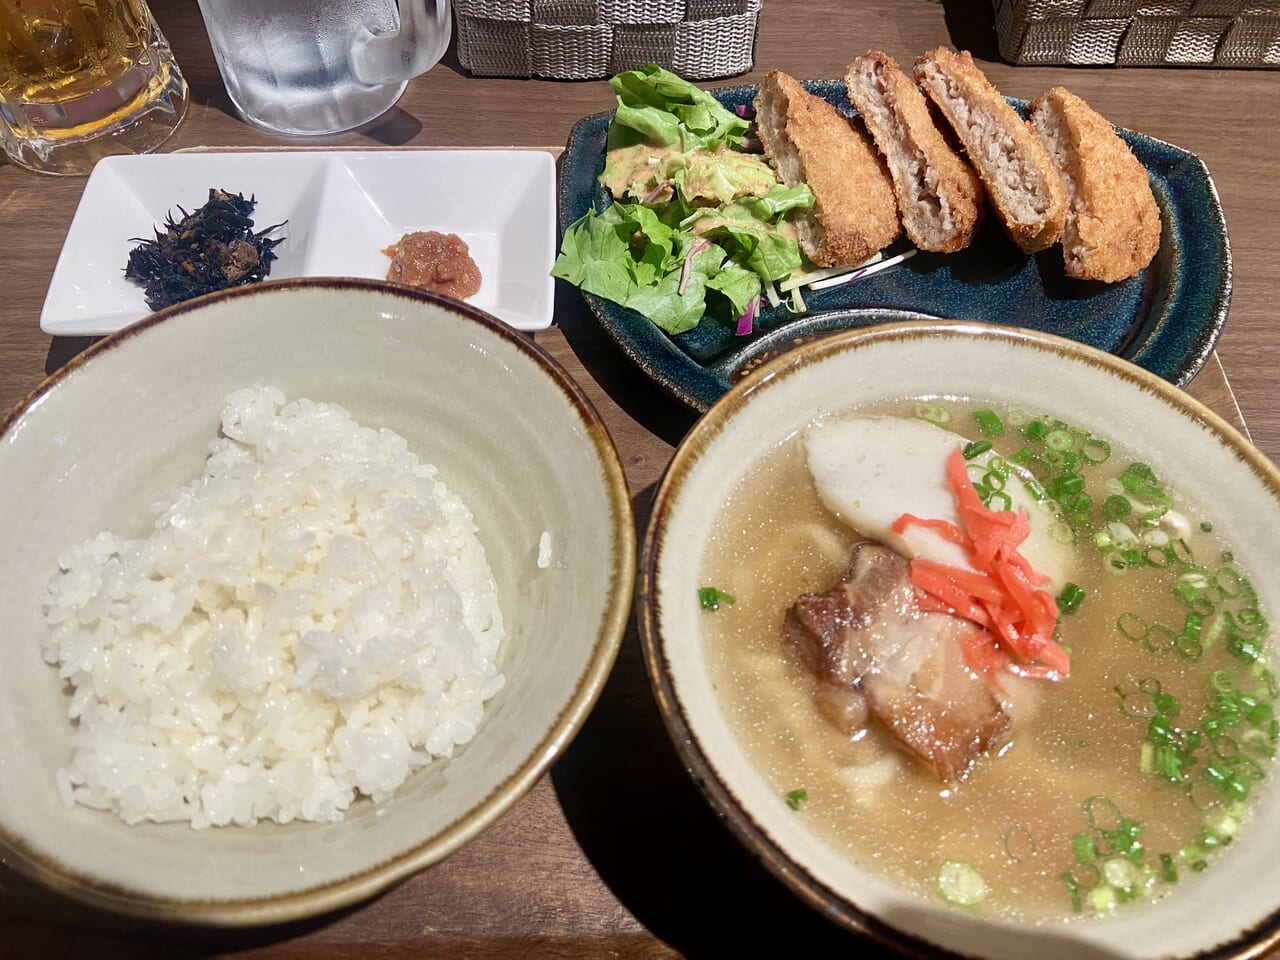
[866, 639]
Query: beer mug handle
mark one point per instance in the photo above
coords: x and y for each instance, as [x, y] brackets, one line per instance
[425, 27]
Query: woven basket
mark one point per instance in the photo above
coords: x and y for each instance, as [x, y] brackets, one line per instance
[589, 39]
[1147, 33]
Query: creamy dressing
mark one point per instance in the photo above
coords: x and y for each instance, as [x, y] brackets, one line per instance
[783, 228]
[637, 164]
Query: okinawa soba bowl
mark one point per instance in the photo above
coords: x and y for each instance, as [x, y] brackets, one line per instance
[825, 850]
[133, 418]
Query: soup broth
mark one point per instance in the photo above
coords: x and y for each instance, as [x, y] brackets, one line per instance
[1108, 787]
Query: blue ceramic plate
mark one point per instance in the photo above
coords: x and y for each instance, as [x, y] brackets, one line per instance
[1166, 319]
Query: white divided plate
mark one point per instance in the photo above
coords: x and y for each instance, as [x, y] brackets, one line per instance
[342, 209]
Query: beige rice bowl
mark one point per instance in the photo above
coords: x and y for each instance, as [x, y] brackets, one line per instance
[210, 516]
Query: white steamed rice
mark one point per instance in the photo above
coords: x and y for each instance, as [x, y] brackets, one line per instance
[311, 620]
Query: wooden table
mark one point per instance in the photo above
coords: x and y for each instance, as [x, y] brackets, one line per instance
[615, 853]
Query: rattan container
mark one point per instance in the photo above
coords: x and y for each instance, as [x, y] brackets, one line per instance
[589, 39]
[1147, 33]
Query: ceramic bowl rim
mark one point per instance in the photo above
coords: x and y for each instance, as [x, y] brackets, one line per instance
[323, 898]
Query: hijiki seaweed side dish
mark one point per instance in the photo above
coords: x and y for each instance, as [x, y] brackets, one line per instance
[212, 248]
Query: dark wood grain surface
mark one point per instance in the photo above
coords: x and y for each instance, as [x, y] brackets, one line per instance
[615, 854]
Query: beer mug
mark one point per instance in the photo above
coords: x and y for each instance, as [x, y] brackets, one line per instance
[309, 67]
[83, 79]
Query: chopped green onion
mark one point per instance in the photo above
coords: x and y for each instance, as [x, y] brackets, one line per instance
[1070, 597]
[1066, 485]
[1226, 826]
[1132, 626]
[1000, 466]
[1260, 715]
[1190, 854]
[1073, 888]
[1084, 847]
[1133, 558]
[1019, 845]
[1205, 608]
[1234, 584]
[1059, 440]
[1079, 514]
[1247, 768]
[1225, 748]
[1203, 796]
[933, 412]
[1186, 592]
[1064, 460]
[1169, 763]
[1159, 639]
[960, 884]
[1217, 773]
[1269, 678]
[1103, 899]
[1245, 649]
[998, 500]
[1061, 532]
[1139, 473]
[989, 423]
[1223, 681]
[1094, 450]
[1101, 813]
[1121, 874]
[976, 449]
[710, 598]
[1017, 417]
[1250, 617]
[1136, 704]
[1116, 507]
[1192, 625]
[1183, 552]
[797, 797]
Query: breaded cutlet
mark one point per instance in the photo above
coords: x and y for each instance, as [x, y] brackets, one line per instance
[1021, 178]
[939, 196]
[808, 140]
[1113, 223]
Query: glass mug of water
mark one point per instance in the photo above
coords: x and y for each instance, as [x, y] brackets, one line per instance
[309, 67]
[83, 79]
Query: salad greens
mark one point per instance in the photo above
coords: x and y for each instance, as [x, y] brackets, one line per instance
[656, 106]
[698, 226]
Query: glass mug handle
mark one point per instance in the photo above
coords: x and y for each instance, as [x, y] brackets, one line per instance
[425, 26]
